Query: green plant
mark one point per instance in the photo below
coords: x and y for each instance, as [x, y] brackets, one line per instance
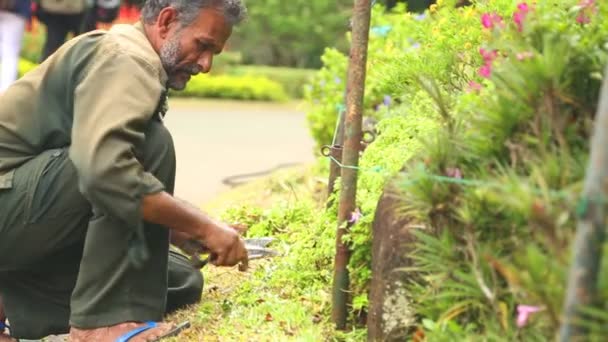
[233, 87]
[508, 107]
[403, 47]
[292, 79]
[519, 137]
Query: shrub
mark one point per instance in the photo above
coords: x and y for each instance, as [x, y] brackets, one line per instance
[508, 107]
[292, 80]
[519, 137]
[233, 87]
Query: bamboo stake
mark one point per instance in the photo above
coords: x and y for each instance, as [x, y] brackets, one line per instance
[590, 232]
[350, 156]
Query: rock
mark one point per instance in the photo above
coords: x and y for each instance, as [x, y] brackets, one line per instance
[390, 315]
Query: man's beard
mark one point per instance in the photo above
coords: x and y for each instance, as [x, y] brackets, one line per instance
[169, 57]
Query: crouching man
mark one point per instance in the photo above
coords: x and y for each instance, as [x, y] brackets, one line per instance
[86, 179]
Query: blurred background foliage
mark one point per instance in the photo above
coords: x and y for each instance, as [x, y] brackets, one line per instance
[281, 44]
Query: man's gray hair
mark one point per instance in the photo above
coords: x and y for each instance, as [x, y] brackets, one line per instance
[187, 10]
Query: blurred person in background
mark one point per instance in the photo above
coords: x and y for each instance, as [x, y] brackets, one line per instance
[101, 11]
[14, 14]
[61, 18]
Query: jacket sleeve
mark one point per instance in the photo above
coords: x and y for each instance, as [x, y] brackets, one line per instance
[113, 102]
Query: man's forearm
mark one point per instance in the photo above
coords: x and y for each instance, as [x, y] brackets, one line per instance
[184, 219]
[226, 246]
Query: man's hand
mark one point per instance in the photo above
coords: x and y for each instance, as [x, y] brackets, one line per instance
[226, 246]
[224, 243]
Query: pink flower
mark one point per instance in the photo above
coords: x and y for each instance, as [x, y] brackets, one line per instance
[474, 86]
[486, 21]
[524, 312]
[518, 18]
[524, 55]
[588, 7]
[583, 19]
[488, 56]
[489, 20]
[485, 71]
[523, 7]
[453, 172]
[520, 15]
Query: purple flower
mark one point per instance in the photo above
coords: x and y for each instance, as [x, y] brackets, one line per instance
[338, 80]
[420, 17]
[416, 46]
[355, 216]
[524, 312]
[387, 100]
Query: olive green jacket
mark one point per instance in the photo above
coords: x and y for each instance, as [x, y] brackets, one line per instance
[95, 95]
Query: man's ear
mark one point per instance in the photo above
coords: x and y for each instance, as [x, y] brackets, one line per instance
[167, 20]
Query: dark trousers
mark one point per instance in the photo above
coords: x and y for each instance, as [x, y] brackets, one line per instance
[58, 26]
[62, 262]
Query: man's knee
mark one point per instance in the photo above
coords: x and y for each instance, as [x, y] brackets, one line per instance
[185, 283]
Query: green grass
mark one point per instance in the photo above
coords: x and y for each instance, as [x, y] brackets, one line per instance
[280, 299]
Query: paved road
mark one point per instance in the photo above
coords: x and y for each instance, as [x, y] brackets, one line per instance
[215, 140]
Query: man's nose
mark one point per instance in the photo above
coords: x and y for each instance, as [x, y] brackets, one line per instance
[205, 62]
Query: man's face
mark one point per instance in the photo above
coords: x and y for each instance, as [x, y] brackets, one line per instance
[189, 50]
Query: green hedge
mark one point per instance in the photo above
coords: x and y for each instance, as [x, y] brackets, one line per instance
[234, 87]
[292, 79]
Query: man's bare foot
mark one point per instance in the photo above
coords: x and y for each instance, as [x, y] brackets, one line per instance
[110, 334]
[6, 338]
